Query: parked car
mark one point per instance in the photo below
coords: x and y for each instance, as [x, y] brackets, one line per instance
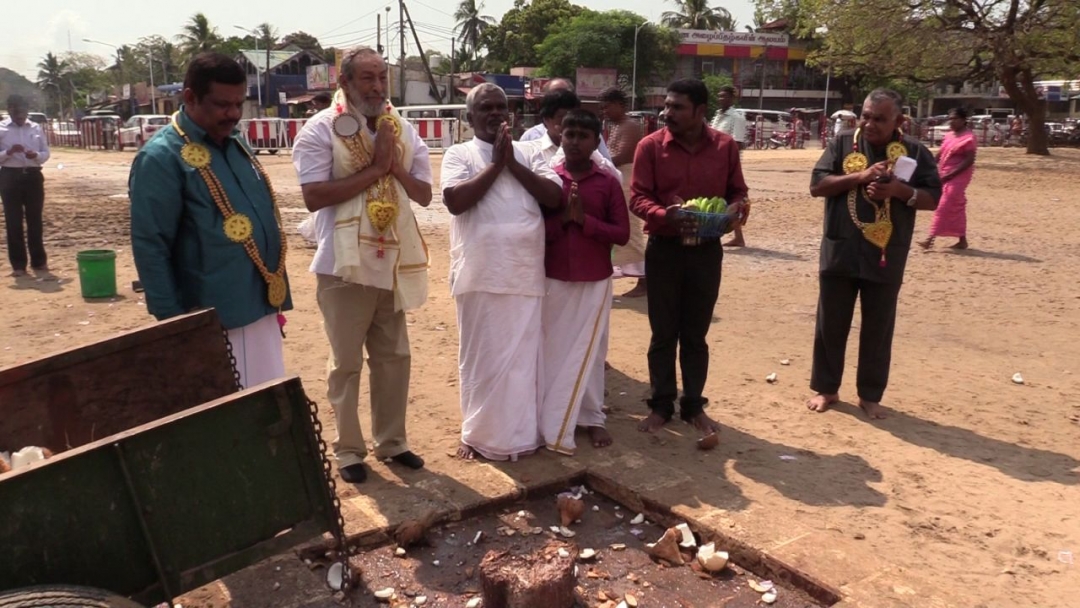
[140, 128]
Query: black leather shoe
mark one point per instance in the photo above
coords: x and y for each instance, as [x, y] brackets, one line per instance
[354, 473]
[409, 459]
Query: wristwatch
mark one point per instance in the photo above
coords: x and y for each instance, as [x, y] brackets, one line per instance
[914, 197]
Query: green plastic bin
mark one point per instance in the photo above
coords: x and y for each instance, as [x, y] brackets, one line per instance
[97, 273]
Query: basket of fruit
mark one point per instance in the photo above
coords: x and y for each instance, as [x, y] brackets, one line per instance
[710, 216]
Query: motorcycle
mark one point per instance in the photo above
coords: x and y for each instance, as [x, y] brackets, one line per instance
[785, 139]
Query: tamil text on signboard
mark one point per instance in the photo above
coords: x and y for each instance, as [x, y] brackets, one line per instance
[733, 38]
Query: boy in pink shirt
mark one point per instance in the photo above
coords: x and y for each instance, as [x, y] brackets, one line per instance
[577, 304]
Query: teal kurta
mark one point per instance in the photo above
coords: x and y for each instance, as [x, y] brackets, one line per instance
[184, 259]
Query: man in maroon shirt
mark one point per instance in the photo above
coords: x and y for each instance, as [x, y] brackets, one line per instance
[687, 159]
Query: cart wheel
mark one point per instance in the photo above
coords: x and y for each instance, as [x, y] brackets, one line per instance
[63, 596]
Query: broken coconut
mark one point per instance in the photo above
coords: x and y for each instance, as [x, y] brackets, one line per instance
[769, 596]
[709, 441]
[760, 587]
[474, 603]
[384, 595]
[566, 532]
[570, 508]
[399, 552]
[667, 548]
[711, 559]
[639, 518]
[688, 540]
[335, 576]
[563, 553]
[586, 554]
[771, 378]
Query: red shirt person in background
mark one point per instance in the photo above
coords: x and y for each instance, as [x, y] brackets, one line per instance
[577, 304]
[684, 160]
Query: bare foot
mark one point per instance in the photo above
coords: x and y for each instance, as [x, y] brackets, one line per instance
[927, 244]
[599, 436]
[961, 244]
[652, 423]
[736, 242]
[465, 452]
[703, 423]
[637, 292]
[17, 273]
[821, 402]
[873, 411]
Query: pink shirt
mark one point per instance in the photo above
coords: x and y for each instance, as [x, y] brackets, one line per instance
[583, 253]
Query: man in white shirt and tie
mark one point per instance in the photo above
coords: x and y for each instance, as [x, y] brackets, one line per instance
[23, 149]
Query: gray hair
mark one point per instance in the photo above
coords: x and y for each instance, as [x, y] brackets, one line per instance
[880, 95]
[478, 90]
[352, 57]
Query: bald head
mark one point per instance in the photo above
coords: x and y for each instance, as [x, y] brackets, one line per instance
[559, 84]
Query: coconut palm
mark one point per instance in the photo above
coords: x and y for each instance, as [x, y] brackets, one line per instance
[471, 24]
[267, 35]
[698, 15]
[198, 36]
[52, 76]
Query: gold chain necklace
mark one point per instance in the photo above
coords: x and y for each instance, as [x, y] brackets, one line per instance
[237, 226]
[381, 198]
[879, 232]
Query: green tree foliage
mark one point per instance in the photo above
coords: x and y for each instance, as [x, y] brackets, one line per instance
[698, 15]
[514, 41]
[1014, 42]
[198, 36]
[305, 41]
[606, 40]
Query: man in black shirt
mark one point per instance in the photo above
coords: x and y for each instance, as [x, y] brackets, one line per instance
[869, 222]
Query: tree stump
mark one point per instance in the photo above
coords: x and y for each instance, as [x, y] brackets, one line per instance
[541, 578]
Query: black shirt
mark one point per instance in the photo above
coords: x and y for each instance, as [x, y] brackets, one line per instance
[844, 250]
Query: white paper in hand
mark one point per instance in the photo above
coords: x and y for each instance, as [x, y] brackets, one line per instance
[905, 168]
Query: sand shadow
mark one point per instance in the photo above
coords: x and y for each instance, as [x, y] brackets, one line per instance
[53, 284]
[993, 255]
[1019, 462]
[769, 254]
[784, 468]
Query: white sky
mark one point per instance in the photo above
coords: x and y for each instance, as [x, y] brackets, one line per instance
[336, 22]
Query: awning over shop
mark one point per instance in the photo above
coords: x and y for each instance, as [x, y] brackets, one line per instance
[292, 101]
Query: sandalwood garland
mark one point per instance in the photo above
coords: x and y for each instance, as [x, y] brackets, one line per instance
[879, 232]
[381, 197]
[237, 226]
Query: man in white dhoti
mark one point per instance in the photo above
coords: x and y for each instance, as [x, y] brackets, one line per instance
[359, 164]
[497, 278]
[577, 306]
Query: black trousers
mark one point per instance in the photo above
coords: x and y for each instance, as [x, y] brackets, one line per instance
[836, 307]
[23, 193]
[683, 283]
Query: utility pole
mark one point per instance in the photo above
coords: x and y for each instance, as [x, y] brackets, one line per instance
[450, 89]
[153, 95]
[427, 68]
[401, 63]
[761, 85]
[378, 34]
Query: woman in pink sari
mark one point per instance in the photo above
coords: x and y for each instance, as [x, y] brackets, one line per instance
[956, 164]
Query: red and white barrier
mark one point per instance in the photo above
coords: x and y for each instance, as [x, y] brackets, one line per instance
[264, 134]
[437, 133]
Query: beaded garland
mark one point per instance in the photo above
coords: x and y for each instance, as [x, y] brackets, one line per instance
[879, 232]
[237, 226]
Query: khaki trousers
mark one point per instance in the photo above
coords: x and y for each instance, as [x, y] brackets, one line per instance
[357, 317]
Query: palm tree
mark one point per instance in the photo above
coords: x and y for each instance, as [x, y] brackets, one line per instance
[698, 15]
[51, 75]
[198, 36]
[267, 35]
[471, 24]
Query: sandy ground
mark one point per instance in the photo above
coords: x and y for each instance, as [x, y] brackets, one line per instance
[966, 496]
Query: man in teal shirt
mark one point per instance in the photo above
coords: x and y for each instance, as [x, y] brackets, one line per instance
[205, 228]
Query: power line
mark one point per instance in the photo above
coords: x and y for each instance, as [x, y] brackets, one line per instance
[348, 23]
[347, 34]
[433, 8]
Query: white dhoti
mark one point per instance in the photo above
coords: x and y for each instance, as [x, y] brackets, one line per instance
[498, 362]
[575, 321]
[259, 351]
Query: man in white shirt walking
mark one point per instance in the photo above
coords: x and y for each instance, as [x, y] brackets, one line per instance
[23, 149]
[497, 278]
[729, 120]
[359, 165]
